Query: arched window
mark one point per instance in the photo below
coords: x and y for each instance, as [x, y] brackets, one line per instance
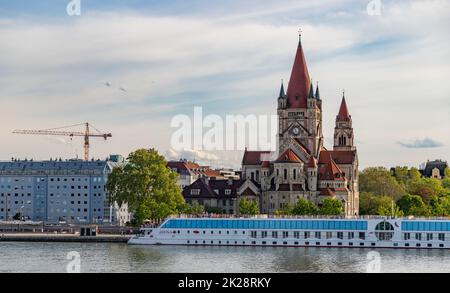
[384, 231]
[342, 140]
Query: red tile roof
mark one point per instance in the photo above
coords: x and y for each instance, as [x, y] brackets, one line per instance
[312, 162]
[300, 82]
[340, 157]
[288, 156]
[327, 192]
[343, 112]
[253, 157]
[330, 171]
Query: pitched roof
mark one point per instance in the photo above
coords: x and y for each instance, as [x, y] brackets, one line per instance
[299, 83]
[327, 192]
[343, 114]
[288, 156]
[330, 171]
[312, 162]
[302, 146]
[253, 157]
[339, 157]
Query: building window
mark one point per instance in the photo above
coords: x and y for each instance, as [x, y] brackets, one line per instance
[195, 191]
[295, 174]
[285, 174]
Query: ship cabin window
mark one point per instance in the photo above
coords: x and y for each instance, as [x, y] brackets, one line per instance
[295, 243]
[307, 235]
[362, 235]
[418, 245]
[340, 235]
[306, 243]
[441, 237]
[274, 234]
[430, 245]
[285, 243]
[264, 242]
[285, 234]
[429, 236]
[329, 235]
[384, 231]
[253, 234]
[296, 234]
[212, 232]
[253, 242]
[318, 235]
[361, 244]
[441, 245]
[274, 243]
[406, 244]
[264, 234]
[419, 236]
[318, 243]
[407, 236]
[350, 244]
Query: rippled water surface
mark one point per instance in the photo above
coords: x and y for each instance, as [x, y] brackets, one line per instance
[52, 257]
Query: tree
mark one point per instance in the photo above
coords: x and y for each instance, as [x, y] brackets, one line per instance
[447, 172]
[304, 207]
[413, 205]
[426, 188]
[286, 210]
[193, 209]
[386, 207]
[440, 206]
[331, 206]
[248, 207]
[368, 203]
[148, 187]
[379, 181]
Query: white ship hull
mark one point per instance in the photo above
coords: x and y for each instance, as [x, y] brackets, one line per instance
[371, 233]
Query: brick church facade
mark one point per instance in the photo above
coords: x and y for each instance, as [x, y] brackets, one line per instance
[304, 167]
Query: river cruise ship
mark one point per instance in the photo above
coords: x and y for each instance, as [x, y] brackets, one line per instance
[300, 232]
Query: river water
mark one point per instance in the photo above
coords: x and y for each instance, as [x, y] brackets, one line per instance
[106, 257]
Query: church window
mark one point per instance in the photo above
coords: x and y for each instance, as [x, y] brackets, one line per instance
[257, 175]
[285, 174]
[295, 174]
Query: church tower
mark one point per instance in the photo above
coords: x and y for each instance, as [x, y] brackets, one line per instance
[343, 131]
[300, 113]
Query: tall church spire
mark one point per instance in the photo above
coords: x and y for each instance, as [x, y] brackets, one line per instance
[343, 114]
[317, 92]
[282, 93]
[300, 82]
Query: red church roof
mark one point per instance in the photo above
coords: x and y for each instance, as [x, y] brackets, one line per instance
[330, 171]
[288, 156]
[312, 162]
[343, 112]
[300, 82]
[253, 157]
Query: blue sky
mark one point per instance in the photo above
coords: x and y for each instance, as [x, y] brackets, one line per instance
[229, 57]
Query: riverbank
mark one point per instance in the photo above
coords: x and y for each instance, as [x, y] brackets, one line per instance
[51, 237]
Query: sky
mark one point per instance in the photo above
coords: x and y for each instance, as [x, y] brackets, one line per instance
[129, 67]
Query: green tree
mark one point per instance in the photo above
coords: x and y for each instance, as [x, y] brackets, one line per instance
[193, 209]
[426, 188]
[248, 207]
[287, 210]
[446, 184]
[413, 205]
[368, 203]
[379, 181]
[304, 207]
[440, 206]
[148, 187]
[331, 206]
[447, 172]
[388, 208]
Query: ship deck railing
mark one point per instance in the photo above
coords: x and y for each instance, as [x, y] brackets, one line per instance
[365, 217]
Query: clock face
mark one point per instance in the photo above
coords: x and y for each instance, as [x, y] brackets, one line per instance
[295, 130]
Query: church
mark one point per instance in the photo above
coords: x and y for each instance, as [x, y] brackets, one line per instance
[304, 167]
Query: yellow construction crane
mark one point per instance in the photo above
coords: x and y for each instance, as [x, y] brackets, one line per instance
[58, 131]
